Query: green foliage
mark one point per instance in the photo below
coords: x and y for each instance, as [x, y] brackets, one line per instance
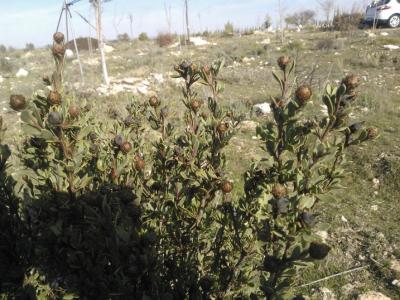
[143, 37]
[97, 211]
[228, 29]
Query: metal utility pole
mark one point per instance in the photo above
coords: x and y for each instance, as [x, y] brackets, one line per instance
[97, 7]
[131, 24]
[187, 22]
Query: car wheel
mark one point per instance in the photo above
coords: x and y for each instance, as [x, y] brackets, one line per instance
[394, 21]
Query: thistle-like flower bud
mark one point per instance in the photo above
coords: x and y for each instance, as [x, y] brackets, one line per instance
[58, 37]
[17, 102]
[351, 82]
[139, 163]
[222, 128]
[303, 94]
[58, 50]
[227, 187]
[54, 98]
[128, 121]
[308, 219]
[195, 105]
[283, 62]
[153, 101]
[318, 250]
[278, 191]
[74, 111]
[126, 147]
[282, 206]
[372, 133]
[119, 140]
[54, 118]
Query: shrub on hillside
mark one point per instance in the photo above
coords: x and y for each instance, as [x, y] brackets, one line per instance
[123, 37]
[228, 29]
[165, 39]
[347, 21]
[110, 214]
[143, 37]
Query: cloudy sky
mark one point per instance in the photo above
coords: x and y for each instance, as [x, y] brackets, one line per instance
[23, 21]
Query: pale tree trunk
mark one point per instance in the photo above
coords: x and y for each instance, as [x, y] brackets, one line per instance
[97, 5]
[187, 22]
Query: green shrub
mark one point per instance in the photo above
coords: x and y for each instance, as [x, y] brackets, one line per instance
[110, 214]
[143, 37]
[228, 29]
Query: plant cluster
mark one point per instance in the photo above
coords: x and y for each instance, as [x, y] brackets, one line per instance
[96, 212]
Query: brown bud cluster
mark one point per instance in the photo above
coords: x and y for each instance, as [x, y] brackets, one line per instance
[58, 50]
[278, 191]
[195, 105]
[74, 111]
[222, 128]
[283, 62]
[54, 98]
[126, 147]
[226, 187]
[372, 133]
[153, 101]
[139, 163]
[58, 37]
[303, 94]
[351, 82]
[17, 102]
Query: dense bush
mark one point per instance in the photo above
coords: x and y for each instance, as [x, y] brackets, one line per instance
[143, 37]
[164, 39]
[347, 21]
[97, 212]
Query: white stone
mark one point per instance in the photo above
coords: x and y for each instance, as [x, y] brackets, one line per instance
[326, 294]
[376, 183]
[158, 78]
[108, 48]
[69, 54]
[372, 296]
[374, 207]
[1, 79]
[265, 42]
[396, 282]
[22, 73]
[142, 90]
[395, 266]
[323, 235]
[384, 34]
[198, 41]
[262, 108]
[391, 47]
[344, 220]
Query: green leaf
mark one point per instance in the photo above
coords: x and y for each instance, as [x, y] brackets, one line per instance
[306, 202]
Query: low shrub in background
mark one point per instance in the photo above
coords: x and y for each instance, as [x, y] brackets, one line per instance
[98, 212]
[165, 39]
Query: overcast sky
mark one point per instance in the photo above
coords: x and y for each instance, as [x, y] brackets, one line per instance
[23, 21]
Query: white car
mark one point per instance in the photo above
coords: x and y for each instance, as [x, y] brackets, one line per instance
[383, 12]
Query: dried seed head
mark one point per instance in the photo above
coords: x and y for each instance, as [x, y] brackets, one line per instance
[54, 98]
[139, 163]
[226, 187]
[318, 250]
[308, 219]
[372, 133]
[351, 82]
[46, 80]
[119, 140]
[283, 62]
[58, 37]
[303, 94]
[17, 102]
[282, 205]
[278, 191]
[195, 105]
[58, 50]
[222, 128]
[54, 118]
[194, 68]
[272, 264]
[204, 115]
[126, 147]
[153, 101]
[74, 111]
[128, 121]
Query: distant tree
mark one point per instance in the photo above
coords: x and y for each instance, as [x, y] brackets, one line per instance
[327, 7]
[143, 37]
[228, 29]
[3, 48]
[267, 22]
[123, 37]
[304, 17]
[29, 47]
